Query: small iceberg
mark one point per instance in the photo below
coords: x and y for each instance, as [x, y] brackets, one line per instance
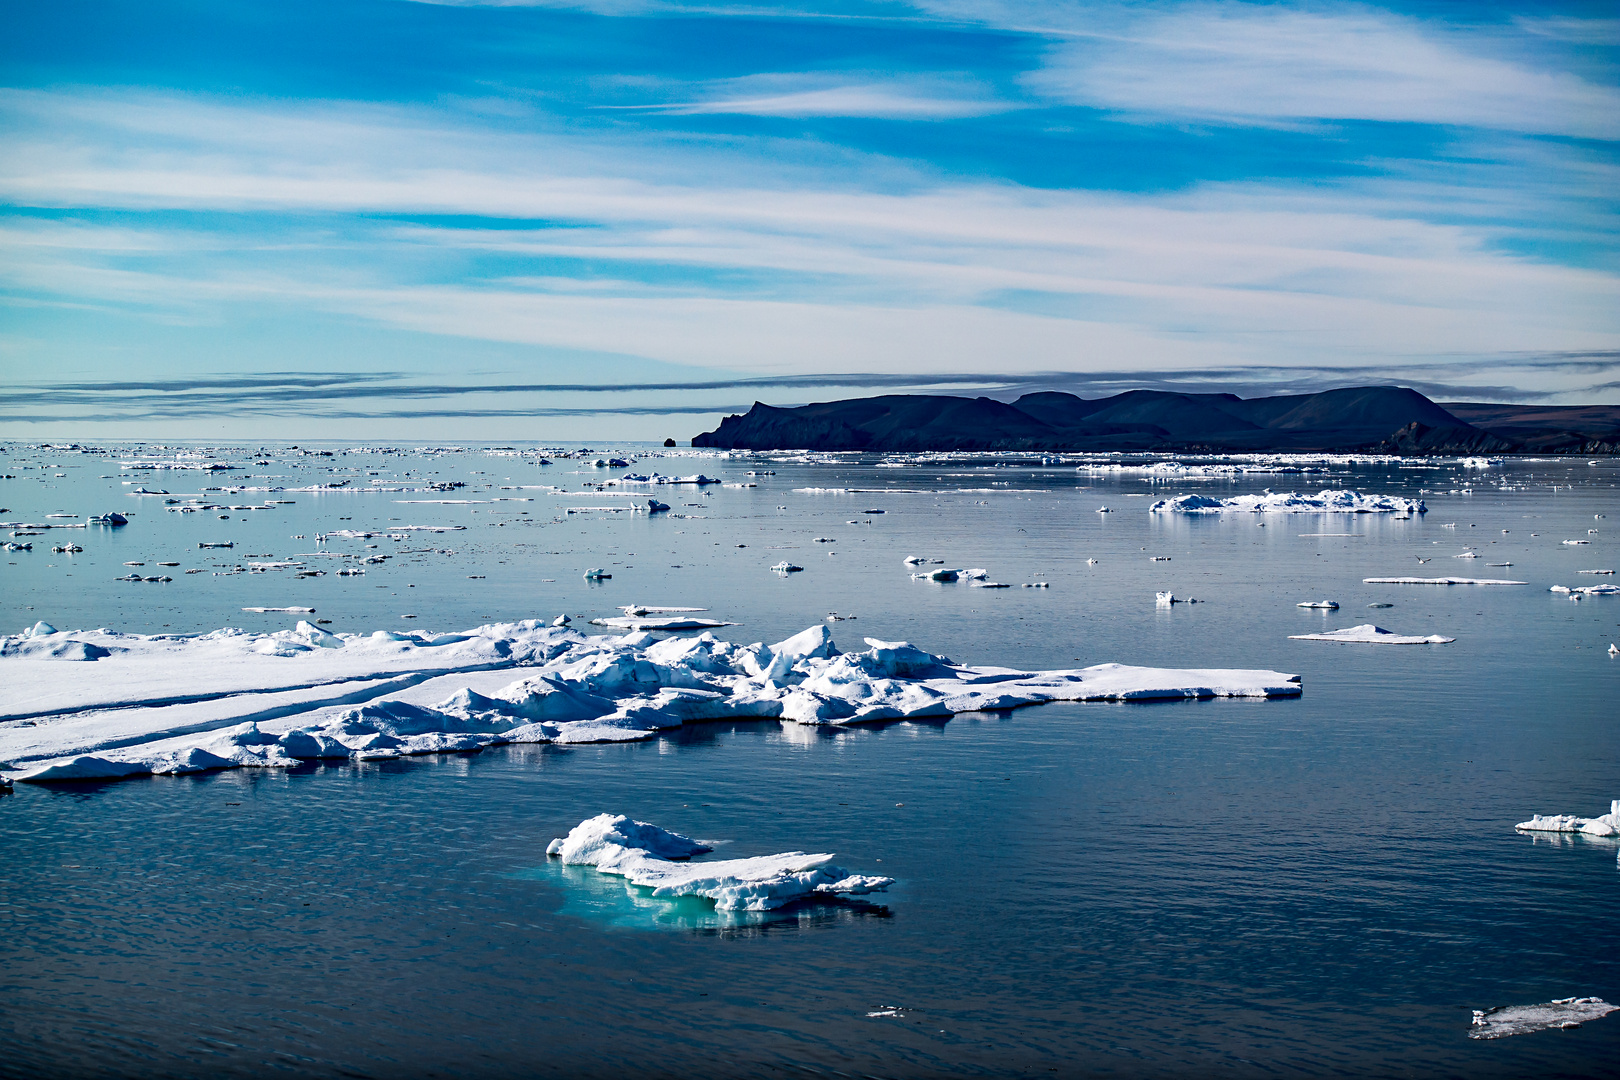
[655, 859]
[596, 573]
[942, 574]
[1165, 599]
[1322, 605]
[1604, 825]
[1505, 1020]
[785, 567]
[1368, 634]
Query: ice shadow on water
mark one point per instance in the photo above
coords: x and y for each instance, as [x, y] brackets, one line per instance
[610, 901]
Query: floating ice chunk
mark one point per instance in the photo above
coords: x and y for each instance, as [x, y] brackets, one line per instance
[288, 610]
[785, 567]
[1330, 501]
[645, 855]
[976, 574]
[1586, 590]
[1037, 585]
[1594, 571]
[1505, 1020]
[1614, 650]
[596, 573]
[942, 574]
[1604, 825]
[914, 560]
[1576, 543]
[1368, 634]
[991, 585]
[673, 622]
[1437, 581]
[1165, 599]
[1324, 605]
[607, 835]
[112, 517]
[1467, 555]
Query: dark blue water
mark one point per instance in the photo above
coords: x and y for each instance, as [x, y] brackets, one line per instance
[1325, 886]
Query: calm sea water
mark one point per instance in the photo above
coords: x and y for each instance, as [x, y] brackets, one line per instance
[1319, 886]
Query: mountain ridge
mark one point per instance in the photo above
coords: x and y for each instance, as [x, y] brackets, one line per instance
[1387, 419]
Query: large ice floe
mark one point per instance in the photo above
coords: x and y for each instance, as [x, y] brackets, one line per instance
[1368, 634]
[1438, 581]
[172, 703]
[1329, 501]
[1603, 825]
[1505, 1020]
[653, 858]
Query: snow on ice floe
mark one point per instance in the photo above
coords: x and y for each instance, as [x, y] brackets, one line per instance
[653, 858]
[1586, 590]
[1329, 501]
[1437, 581]
[1368, 634]
[1604, 825]
[138, 704]
[1505, 1020]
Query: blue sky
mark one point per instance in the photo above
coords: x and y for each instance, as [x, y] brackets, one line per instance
[565, 221]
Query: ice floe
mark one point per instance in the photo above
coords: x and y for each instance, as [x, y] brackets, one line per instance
[140, 703]
[1324, 605]
[1368, 634]
[1604, 825]
[1505, 1020]
[655, 859]
[1328, 501]
[1438, 581]
[1585, 590]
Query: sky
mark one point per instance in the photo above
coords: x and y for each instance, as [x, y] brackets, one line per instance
[623, 219]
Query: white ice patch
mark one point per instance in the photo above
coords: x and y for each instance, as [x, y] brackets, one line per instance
[1505, 1020]
[139, 704]
[1604, 825]
[1329, 501]
[646, 855]
[1368, 634]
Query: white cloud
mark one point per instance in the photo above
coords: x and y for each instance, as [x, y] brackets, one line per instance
[1272, 63]
[853, 94]
[769, 272]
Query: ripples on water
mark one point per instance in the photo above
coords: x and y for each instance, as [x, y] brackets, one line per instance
[1320, 886]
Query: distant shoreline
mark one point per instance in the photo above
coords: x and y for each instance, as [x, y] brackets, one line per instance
[1371, 419]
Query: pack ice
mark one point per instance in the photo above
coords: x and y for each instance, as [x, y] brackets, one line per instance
[168, 703]
[1605, 825]
[1328, 501]
[651, 857]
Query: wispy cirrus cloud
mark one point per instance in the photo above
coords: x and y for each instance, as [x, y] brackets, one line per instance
[1254, 63]
[868, 95]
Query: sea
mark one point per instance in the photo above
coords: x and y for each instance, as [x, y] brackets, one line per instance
[1321, 886]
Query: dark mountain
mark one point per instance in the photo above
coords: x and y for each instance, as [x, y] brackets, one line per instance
[1548, 429]
[1375, 418]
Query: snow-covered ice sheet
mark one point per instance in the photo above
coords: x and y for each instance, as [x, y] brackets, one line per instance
[1506, 1020]
[653, 858]
[1368, 634]
[89, 704]
[1603, 825]
[1329, 501]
